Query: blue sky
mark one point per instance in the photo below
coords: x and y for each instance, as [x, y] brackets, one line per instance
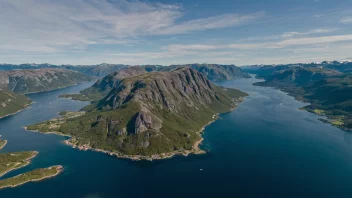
[240, 32]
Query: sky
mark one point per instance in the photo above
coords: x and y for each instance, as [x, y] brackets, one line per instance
[240, 32]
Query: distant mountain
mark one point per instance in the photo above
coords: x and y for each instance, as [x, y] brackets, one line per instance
[90, 70]
[264, 71]
[149, 115]
[328, 91]
[37, 80]
[96, 70]
[213, 72]
[11, 103]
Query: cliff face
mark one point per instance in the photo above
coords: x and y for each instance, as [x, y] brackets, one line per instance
[151, 113]
[28, 81]
[11, 102]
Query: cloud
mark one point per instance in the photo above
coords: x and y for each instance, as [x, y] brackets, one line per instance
[265, 45]
[287, 35]
[346, 20]
[222, 21]
[52, 26]
[314, 31]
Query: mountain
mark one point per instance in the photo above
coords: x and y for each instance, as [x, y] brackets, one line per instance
[11, 103]
[96, 70]
[103, 86]
[328, 91]
[300, 76]
[216, 72]
[37, 80]
[148, 116]
[89, 70]
[213, 72]
[264, 71]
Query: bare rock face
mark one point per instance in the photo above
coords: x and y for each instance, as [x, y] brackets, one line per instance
[146, 121]
[163, 90]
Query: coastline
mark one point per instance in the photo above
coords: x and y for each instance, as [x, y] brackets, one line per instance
[59, 169]
[326, 118]
[27, 162]
[1, 147]
[195, 148]
[25, 107]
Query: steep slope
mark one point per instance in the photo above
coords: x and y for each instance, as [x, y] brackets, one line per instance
[106, 84]
[149, 116]
[328, 91]
[29, 81]
[11, 103]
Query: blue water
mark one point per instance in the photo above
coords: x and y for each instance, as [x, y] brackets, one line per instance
[265, 148]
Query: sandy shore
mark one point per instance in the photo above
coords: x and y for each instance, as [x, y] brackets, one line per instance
[59, 169]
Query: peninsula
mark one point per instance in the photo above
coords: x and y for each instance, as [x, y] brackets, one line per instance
[150, 116]
[17, 160]
[31, 176]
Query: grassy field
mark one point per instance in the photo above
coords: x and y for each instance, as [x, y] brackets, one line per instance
[34, 175]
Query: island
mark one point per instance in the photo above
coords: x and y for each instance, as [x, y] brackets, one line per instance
[142, 115]
[31, 176]
[79, 97]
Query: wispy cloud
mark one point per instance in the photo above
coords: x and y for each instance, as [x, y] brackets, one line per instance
[49, 26]
[268, 45]
[346, 20]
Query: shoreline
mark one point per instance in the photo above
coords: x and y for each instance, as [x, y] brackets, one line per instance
[27, 162]
[59, 169]
[25, 107]
[195, 148]
[1, 147]
[326, 118]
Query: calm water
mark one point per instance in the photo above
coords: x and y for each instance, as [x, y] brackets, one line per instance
[265, 148]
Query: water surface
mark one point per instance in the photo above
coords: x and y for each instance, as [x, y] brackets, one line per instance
[267, 147]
